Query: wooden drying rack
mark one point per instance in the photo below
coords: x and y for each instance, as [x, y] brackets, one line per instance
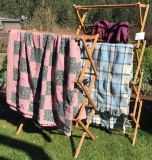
[136, 87]
[135, 115]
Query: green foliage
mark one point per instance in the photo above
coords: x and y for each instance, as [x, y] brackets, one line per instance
[3, 47]
[147, 65]
[3, 76]
[3, 71]
[146, 89]
[4, 63]
[43, 19]
[65, 14]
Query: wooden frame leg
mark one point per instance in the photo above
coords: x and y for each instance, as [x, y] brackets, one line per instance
[84, 133]
[86, 129]
[80, 145]
[137, 124]
[20, 126]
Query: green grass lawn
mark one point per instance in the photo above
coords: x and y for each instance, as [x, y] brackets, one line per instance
[40, 143]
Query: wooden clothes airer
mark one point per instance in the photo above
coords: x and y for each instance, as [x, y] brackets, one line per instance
[136, 87]
[139, 74]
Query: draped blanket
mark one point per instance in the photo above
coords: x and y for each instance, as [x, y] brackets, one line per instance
[115, 68]
[111, 32]
[42, 69]
[111, 91]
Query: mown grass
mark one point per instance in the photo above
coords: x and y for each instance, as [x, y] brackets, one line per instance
[41, 143]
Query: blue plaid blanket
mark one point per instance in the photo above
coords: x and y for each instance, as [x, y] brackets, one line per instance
[111, 91]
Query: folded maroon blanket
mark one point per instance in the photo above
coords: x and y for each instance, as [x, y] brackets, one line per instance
[111, 32]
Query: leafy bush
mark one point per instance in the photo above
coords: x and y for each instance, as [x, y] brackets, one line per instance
[4, 63]
[43, 19]
[3, 47]
[3, 71]
[3, 76]
[146, 89]
[147, 65]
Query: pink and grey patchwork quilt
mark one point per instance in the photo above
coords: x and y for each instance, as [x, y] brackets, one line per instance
[41, 72]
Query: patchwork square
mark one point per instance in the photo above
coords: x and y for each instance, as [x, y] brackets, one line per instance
[13, 98]
[17, 47]
[48, 88]
[27, 38]
[69, 96]
[34, 83]
[47, 40]
[33, 107]
[36, 55]
[67, 126]
[23, 65]
[60, 108]
[15, 74]
[53, 59]
[42, 99]
[64, 46]
[72, 65]
[44, 73]
[24, 92]
[60, 77]
[48, 115]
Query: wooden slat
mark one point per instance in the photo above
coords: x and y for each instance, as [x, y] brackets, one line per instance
[20, 126]
[91, 7]
[89, 73]
[137, 124]
[78, 37]
[130, 25]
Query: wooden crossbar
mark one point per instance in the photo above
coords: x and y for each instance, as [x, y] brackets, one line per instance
[91, 7]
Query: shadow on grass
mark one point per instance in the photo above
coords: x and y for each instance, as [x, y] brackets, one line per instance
[72, 142]
[33, 151]
[30, 125]
[72, 145]
[2, 158]
[146, 116]
[15, 118]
